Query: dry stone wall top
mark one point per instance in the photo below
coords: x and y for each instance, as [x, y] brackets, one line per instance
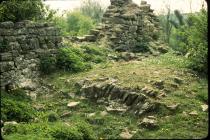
[21, 46]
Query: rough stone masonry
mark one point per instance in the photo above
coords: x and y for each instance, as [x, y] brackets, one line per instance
[127, 26]
[21, 46]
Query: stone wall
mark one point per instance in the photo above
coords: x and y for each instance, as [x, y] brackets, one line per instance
[126, 26]
[21, 46]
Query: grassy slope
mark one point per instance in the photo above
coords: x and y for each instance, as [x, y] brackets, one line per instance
[179, 124]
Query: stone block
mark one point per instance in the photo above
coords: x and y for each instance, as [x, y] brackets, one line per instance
[7, 24]
[5, 56]
[7, 66]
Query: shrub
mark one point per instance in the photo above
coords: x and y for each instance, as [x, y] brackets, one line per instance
[15, 106]
[74, 58]
[78, 24]
[52, 117]
[51, 130]
[48, 64]
[198, 42]
[85, 130]
[62, 132]
[70, 59]
[93, 9]
[94, 53]
[191, 38]
[16, 10]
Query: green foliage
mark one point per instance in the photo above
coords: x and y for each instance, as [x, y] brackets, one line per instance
[66, 133]
[78, 24]
[61, 22]
[48, 64]
[51, 130]
[16, 10]
[170, 60]
[92, 9]
[80, 21]
[142, 47]
[52, 117]
[71, 59]
[192, 38]
[15, 106]
[198, 42]
[94, 54]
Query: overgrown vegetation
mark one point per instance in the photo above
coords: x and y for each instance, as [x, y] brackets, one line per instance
[187, 34]
[78, 24]
[80, 21]
[77, 130]
[74, 58]
[16, 10]
[92, 9]
[16, 106]
[49, 117]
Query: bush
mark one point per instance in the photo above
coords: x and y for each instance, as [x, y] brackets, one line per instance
[198, 42]
[78, 24]
[62, 132]
[52, 117]
[93, 9]
[74, 58]
[71, 59]
[94, 54]
[51, 130]
[48, 64]
[191, 38]
[15, 106]
[16, 10]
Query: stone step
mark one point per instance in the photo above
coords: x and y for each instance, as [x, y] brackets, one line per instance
[138, 102]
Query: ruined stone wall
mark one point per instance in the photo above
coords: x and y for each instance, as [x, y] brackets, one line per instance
[127, 26]
[21, 46]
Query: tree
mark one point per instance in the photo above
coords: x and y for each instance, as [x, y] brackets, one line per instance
[16, 10]
[93, 9]
[78, 24]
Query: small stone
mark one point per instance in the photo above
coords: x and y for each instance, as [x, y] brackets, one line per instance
[2, 123]
[73, 104]
[103, 79]
[149, 123]
[159, 84]
[39, 106]
[126, 135]
[204, 108]
[91, 114]
[194, 113]
[12, 123]
[66, 114]
[161, 95]
[184, 113]
[103, 113]
[72, 95]
[173, 107]
[115, 110]
[82, 98]
[100, 101]
[178, 80]
[151, 117]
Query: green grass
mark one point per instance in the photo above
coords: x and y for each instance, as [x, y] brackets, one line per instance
[191, 94]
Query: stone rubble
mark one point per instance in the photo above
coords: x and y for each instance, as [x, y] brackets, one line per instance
[119, 99]
[73, 104]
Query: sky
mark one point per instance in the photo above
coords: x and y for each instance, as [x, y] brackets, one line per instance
[159, 6]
